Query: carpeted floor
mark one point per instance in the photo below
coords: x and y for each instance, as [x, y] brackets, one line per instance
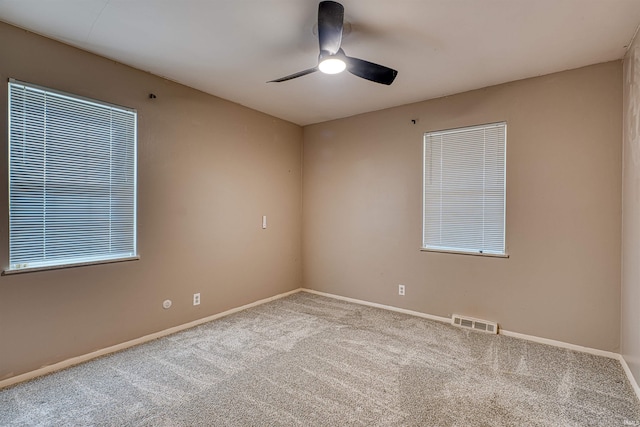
[307, 360]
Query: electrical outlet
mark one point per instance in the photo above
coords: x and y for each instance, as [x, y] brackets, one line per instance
[196, 299]
[401, 290]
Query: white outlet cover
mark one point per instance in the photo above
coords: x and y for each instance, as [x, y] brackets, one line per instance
[166, 304]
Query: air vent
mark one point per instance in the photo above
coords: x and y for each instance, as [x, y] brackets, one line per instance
[475, 324]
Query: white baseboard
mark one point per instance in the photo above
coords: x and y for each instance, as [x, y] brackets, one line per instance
[632, 379]
[501, 331]
[94, 354]
[118, 347]
[561, 344]
[382, 306]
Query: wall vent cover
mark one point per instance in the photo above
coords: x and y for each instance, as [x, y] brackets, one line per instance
[475, 324]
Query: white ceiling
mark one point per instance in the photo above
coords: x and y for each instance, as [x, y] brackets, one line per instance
[231, 48]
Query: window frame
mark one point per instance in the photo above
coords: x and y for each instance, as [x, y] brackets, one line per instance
[103, 258]
[460, 251]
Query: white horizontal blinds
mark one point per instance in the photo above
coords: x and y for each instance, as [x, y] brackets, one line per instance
[464, 189]
[72, 179]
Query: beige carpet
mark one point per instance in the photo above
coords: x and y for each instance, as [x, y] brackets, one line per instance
[307, 360]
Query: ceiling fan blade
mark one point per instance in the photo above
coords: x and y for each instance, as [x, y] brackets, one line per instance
[294, 75]
[330, 21]
[370, 71]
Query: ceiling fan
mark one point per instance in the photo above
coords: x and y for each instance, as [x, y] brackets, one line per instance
[332, 59]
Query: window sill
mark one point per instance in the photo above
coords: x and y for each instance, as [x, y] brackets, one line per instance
[445, 251]
[7, 272]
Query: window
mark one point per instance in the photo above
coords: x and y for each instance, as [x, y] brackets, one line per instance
[72, 179]
[464, 190]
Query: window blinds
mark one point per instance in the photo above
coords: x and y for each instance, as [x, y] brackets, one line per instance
[464, 189]
[72, 179]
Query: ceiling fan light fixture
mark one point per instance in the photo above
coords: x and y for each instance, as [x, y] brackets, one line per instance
[332, 59]
[332, 65]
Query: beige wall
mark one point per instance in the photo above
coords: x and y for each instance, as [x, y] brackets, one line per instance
[208, 170]
[630, 291]
[362, 183]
